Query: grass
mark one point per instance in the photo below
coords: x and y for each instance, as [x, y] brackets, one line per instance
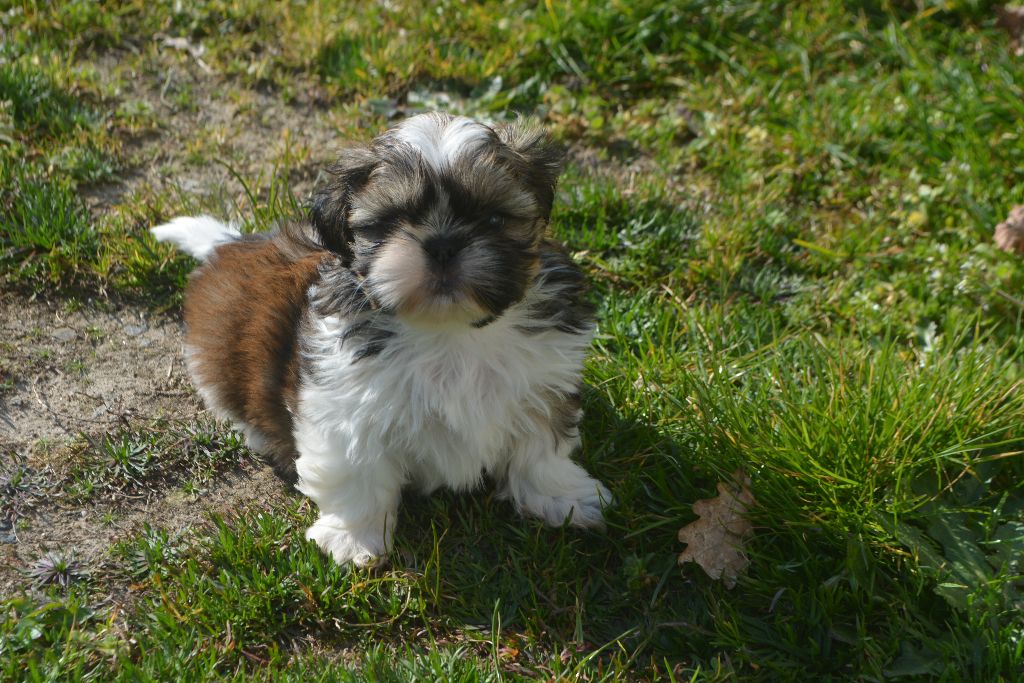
[786, 212]
[136, 460]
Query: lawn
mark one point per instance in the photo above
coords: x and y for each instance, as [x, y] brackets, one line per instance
[786, 211]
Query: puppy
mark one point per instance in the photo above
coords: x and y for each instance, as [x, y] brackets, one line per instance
[419, 328]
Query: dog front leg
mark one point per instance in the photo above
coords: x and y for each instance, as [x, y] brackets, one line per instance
[358, 501]
[544, 482]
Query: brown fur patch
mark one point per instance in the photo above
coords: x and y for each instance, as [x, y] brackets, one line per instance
[243, 310]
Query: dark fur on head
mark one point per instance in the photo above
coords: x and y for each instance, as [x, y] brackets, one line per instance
[329, 209]
[443, 215]
[535, 159]
[523, 146]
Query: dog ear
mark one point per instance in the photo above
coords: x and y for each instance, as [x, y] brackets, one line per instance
[329, 209]
[534, 157]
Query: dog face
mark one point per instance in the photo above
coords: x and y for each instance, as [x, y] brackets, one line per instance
[442, 217]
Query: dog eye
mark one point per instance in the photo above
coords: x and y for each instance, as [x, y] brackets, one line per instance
[494, 220]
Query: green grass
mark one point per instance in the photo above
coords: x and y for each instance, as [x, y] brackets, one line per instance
[159, 455]
[786, 211]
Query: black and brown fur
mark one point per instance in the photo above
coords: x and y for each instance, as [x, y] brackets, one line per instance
[243, 310]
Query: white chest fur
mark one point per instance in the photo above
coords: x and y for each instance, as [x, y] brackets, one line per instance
[442, 404]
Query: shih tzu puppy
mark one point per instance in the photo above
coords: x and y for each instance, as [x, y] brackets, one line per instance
[419, 328]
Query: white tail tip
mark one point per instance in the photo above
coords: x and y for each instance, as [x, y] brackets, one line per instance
[196, 235]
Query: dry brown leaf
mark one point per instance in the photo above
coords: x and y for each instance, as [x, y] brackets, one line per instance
[715, 541]
[1010, 233]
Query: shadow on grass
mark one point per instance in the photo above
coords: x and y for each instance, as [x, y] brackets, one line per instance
[567, 589]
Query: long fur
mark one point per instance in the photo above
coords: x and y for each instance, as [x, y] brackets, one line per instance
[197, 236]
[419, 330]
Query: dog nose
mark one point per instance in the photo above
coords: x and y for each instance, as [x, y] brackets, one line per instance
[443, 249]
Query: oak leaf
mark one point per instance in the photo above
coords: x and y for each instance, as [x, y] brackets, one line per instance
[1010, 233]
[715, 541]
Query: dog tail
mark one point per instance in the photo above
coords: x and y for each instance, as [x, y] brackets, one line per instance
[196, 235]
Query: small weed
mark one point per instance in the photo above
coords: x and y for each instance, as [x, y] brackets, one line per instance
[135, 460]
[76, 366]
[44, 445]
[21, 486]
[37, 107]
[56, 568]
[45, 231]
[153, 553]
[126, 457]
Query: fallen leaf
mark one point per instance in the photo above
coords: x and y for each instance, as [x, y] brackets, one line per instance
[1010, 233]
[715, 541]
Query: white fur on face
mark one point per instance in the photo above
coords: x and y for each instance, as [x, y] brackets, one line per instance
[441, 141]
[401, 280]
[399, 273]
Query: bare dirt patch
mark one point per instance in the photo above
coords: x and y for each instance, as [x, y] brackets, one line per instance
[66, 372]
[89, 371]
[204, 128]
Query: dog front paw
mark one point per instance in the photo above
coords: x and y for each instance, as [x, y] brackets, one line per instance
[584, 509]
[362, 547]
[581, 502]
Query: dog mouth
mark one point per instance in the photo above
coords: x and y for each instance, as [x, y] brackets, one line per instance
[440, 299]
[443, 280]
[447, 284]
[448, 295]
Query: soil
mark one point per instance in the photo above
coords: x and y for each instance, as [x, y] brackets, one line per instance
[240, 131]
[86, 370]
[89, 371]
